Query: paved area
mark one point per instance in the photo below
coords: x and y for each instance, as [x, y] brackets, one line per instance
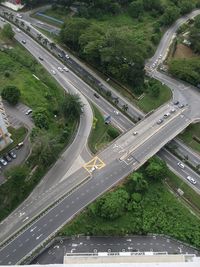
[55, 253]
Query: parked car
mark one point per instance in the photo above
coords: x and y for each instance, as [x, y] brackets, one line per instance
[67, 56]
[7, 158]
[24, 41]
[60, 55]
[3, 162]
[166, 115]
[12, 154]
[41, 58]
[53, 72]
[29, 111]
[19, 145]
[60, 69]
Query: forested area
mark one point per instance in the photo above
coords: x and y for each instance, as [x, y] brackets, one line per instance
[142, 205]
[188, 69]
[117, 36]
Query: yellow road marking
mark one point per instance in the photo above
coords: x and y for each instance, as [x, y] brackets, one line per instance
[95, 163]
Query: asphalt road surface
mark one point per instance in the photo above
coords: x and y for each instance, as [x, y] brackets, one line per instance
[55, 253]
[108, 176]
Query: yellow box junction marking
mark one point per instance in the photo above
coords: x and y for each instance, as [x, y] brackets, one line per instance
[95, 163]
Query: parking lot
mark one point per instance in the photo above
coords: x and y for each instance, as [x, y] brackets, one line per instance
[17, 118]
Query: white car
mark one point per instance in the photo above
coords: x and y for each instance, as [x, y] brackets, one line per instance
[18, 30]
[166, 115]
[191, 180]
[135, 133]
[29, 111]
[181, 165]
[53, 72]
[67, 56]
[19, 16]
[3, 162]
[160, 56]
[66, 69]
[116, 112]
[60, 69]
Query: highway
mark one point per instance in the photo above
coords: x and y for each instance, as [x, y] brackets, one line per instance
[131, 158]
[100, 180]
[172, 163]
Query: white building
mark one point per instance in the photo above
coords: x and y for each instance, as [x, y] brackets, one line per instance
[13, 4]
[5, 139]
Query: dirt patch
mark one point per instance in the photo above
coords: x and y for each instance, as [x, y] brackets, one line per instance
[183, 51]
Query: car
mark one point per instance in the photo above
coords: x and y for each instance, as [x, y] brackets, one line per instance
[191, 180]
[3, 162]
[159, 121]
[60, 55]
[166, 115]
[41, 58]
[153, 65]
[116, 112]
[7, 158]
[67, 56]
[19, 145]
[2, 19]
[23, 41]
[60, 69]
[29, 111]
[19, 16]
[66, 69]
[172, 110]
[96, 95]
[135, 133]
[53, 72]
[181, 105]
[181, 165]
[18, 30]
[12, 154]
[160, 56]
[176, 102]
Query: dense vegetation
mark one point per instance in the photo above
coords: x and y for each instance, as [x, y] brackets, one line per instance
[188, 69]
[54, 113]
[119, 44]
[142, 205]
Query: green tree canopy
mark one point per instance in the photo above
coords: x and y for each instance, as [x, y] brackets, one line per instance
[40, 117]
[7, 31]
[72, 106]
[156, 169]
[11, 93]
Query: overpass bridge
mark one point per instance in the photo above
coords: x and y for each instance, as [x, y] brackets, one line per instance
[122, 157]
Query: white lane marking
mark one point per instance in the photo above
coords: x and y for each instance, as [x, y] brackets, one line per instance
[25, 219]
[33, 229]
[39, 236]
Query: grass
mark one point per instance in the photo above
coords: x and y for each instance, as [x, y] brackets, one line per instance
[99, 135]
[187, 136]
[148, 102]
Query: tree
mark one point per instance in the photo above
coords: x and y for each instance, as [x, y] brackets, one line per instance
[7, 31]
[156, 169]
[72, 106]
[113, 204]
[138, 182]
[170, 15]
[40, 117]
[136, 8]
[44, 149]
[11, 93]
